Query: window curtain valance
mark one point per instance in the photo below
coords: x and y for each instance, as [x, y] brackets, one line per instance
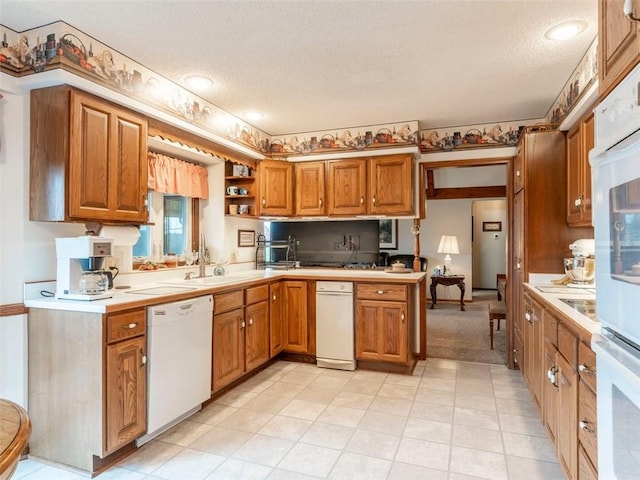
[170, 175]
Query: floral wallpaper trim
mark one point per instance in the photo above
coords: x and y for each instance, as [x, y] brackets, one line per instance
[584, 75]
[59, 45]
[355, 138]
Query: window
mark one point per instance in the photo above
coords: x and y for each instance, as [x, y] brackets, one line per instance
[170, 231]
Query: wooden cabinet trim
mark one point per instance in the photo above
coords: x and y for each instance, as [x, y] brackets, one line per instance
[223, 302]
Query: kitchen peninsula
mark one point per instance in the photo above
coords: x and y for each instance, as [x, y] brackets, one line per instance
[258, 315]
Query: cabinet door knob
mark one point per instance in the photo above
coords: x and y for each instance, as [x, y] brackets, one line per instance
[320, 202]
[274, 298]
[528, 316]
[143, 358]
[584, 425]
[361, 200]
[264, 201]
[242, 325]
[402, 317]
[250, 321]
[517, 173]
[373, 199]
[582, 368]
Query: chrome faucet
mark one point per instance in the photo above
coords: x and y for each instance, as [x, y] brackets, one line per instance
[202, 269]
[190, 275]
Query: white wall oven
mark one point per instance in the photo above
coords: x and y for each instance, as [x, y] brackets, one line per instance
[616, 213]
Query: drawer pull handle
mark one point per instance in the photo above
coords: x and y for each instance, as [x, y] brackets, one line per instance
[380, 292]
[584, 369]
[584, 425]
[527, 316]
[129, 326]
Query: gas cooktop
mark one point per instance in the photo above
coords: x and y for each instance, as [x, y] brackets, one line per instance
[585, 306]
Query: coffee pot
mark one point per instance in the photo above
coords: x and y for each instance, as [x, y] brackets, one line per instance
[93, 282]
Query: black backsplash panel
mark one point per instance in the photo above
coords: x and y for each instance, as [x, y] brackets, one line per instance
[324, 243]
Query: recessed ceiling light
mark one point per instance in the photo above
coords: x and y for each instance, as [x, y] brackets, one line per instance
[566, 30]
[254, 116]
[198, 82]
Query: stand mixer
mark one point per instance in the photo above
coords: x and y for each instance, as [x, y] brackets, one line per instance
[79, 271]
[581, 268]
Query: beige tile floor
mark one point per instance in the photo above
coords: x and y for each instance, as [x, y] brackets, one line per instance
[450, 420]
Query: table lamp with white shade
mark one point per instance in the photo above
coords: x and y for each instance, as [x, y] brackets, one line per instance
[448, 245]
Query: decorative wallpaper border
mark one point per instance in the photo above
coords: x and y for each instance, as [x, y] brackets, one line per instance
[471, 136]
[584, 75]
[59, 45]
[356, 138]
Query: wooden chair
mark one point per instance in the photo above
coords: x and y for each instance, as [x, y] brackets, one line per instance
[497, 311]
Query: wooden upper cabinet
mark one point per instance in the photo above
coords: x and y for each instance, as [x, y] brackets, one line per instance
[580, 140]
[310, 188]
[347, 187]
[88, 159]
[391, 185]
[276, 187]
[618, 43]
[518, 170]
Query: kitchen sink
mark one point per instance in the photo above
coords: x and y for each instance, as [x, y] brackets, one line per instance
[168, 290]
[215, 280]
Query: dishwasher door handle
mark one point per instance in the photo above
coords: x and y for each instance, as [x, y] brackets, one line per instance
[332, 294]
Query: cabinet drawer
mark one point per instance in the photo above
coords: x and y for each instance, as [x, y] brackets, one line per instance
[551, 329]
[126, 325]
[587, 365]
[257, 294]
[381, 291]
[227, 301]
[588, 431]
[567, 345]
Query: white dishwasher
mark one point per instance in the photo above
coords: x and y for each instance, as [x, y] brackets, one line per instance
[335, 347]
[179, 362]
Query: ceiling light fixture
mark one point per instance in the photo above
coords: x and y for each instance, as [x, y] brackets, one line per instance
[198, 82]
[254, 116]
[566, 30]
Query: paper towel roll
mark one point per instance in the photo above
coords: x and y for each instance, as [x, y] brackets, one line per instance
[124, 238]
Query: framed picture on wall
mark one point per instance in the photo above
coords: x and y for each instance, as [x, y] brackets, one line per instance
[491, 226]
[246, 238]
[388, 234]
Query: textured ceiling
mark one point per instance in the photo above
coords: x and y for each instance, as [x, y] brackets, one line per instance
[320, 65]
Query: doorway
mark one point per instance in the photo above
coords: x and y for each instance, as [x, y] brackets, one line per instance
[489, 245]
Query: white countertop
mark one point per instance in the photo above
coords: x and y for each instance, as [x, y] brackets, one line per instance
[198, 287]
[553, 293]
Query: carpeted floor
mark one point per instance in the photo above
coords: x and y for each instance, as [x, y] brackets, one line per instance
[457, 335]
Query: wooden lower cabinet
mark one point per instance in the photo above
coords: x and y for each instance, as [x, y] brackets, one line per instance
[228, 347]
[533, 348]
[381, 331]
[567, 437]
[568, 372]
[241, 335]
[296, 315]
[383, 323]
[87, 384]
[277, 330]
[126, 400]
[257, 334]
